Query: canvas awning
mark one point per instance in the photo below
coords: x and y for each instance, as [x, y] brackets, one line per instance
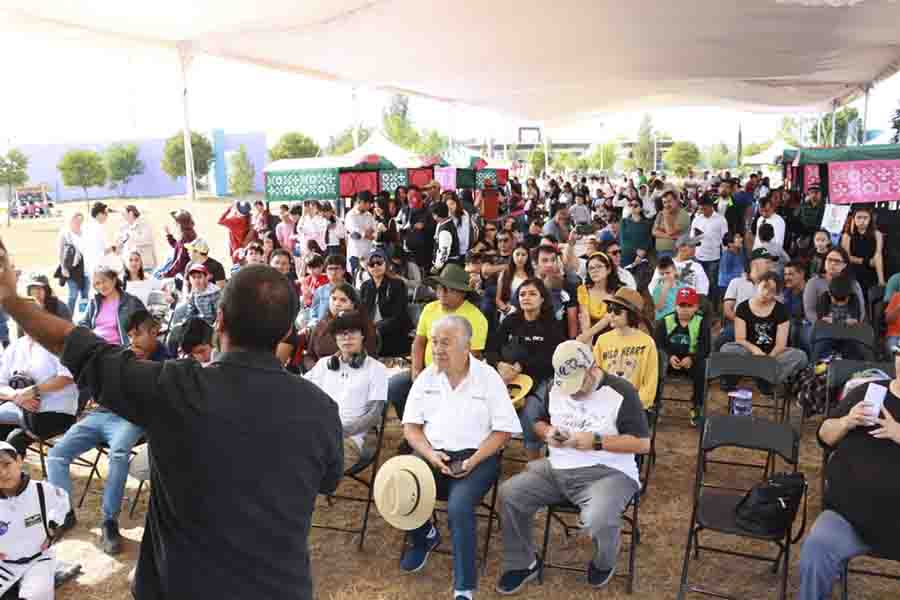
[770, 155]
[778, 55]
[820, 156]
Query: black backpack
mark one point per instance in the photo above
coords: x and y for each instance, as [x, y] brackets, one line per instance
[769, 507]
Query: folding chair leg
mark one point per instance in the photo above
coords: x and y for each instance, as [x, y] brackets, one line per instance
[785, 569]
[135, 500]
[545, 545]
[845, 576]
[682, 589]
[87, 485]
[491, 514]
[365, 523]
[632, 552]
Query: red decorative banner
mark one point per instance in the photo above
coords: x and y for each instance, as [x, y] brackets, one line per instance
[352, 182]
[864, 181]
[810, 176]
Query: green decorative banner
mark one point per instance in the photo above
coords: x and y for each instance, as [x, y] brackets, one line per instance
[391, 178]
[307, 184]
[483, 174]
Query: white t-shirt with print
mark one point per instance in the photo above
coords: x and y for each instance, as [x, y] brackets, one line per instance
[359, 223]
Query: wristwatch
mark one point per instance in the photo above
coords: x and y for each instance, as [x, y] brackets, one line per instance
[598, 441]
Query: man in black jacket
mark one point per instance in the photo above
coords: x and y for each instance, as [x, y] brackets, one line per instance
[218, 526]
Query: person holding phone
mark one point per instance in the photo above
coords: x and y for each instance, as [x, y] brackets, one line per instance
[862, 489]
[458, 417]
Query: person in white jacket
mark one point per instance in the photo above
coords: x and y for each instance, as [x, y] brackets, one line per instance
[136, 235]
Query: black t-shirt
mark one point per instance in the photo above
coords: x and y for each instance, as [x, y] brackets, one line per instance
[861, 481]
[530, 343]
[761, 331]
[215, 268]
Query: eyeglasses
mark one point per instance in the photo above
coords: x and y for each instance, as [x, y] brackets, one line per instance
[617, 310]
[347, 334]
[376, 263]
[614, 252]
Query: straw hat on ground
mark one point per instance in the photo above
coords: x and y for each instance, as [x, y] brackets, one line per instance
[405, 492]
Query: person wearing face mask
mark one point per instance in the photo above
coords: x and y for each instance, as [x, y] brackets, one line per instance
[594, 426]
[762, 326]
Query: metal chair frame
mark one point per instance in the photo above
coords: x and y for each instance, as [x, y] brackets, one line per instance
[783, 542]
[355, 472]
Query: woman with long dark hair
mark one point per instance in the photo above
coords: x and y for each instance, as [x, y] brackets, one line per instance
[600, 284]
[134, 267]
[836, 262]
[384, 296]
[38, 287]
[524, 344]
[865, 245]
[321, 341]
[462, 221]
[518, 270]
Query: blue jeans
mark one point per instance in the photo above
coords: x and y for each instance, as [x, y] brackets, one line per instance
[725, 336]
[889, 343]
[75, 288]
[711, 268]
[97, 427]
[398, 389]
[535, 406]
[463, 496]
[829, 545]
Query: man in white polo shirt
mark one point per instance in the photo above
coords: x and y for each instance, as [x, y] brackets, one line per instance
[710, 227]
[594, 426]
[458, 416]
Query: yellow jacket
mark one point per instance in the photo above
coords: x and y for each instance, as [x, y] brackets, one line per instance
[632, 357]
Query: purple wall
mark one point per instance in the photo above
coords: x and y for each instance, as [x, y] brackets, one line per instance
[42, 161]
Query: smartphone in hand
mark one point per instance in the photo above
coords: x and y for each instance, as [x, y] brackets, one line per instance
[456, 467]
[560, 436]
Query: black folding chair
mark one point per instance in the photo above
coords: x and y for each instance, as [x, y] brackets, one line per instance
[490, 506]
[862, 334]
[839, 373]
[103, 450]
[368, 461]
[845, 575]
[765, 368]
[555, 512]
[41, 446]
[714, 505]
[646, 463]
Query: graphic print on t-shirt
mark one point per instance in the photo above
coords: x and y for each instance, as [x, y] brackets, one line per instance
[624, 361]
[686, 276]
[765, 336]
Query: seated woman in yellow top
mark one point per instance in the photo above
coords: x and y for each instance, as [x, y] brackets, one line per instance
[601, 282]
[626, 351]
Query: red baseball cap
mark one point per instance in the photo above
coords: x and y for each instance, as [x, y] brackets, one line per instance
[198, 268]
[687, 296]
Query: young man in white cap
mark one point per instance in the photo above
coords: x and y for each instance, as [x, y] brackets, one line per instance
[458, 417]
[29, 512]
[594, 425]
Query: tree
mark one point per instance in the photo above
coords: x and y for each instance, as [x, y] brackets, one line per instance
[82, 168]
[895, 123]
[122, 164]
[820, 135]
[682, 157]
[240, 179]
[173, 155]
[789, 131]
[537, 160]
[604, 156]
[740, 145]
[342, 143]
[294, 145]
[718, 157]
[565, 160]
[431, 143]
[13, 173]
[754, 148]
[642, 154]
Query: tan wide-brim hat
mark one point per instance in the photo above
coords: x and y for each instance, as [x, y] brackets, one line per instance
[518, 388]
[405, 492]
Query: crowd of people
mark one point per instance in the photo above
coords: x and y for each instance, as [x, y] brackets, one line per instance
[593, 289]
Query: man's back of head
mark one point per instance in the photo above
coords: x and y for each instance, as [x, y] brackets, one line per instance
[258, 308]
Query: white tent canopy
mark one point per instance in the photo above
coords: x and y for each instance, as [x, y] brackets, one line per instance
[539, 61]
[377, 143]
[769, 155]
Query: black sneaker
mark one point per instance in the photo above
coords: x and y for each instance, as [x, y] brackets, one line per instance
[513, 581]
[599, 578]
[765, 388]
[110, 539]
[69, 523]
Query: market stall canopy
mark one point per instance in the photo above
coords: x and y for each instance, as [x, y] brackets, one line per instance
[752, 54]
[770, 155]
[377, 152]
[821, 156]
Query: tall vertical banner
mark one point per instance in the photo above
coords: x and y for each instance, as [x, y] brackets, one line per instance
[810, 176]
[864, 181]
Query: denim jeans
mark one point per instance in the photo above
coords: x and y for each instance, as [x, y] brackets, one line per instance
[829, 545]
[398, 389]
[534, 407]
[75, 288]
[787, 363]
[711, 268]
[97, 427]
[463, 496]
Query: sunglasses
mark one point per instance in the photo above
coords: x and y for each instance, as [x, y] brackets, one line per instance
[376, 263]
[614, 252]
[617, 310]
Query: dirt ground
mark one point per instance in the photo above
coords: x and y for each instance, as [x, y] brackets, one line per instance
[343, 573]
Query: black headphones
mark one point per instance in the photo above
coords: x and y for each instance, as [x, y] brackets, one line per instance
[357, 359]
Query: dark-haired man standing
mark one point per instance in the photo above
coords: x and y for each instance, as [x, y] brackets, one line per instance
[218, 526]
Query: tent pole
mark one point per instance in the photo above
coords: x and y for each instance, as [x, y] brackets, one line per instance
[833, 123]
[185, 56]
[355, 99]
[865, 121]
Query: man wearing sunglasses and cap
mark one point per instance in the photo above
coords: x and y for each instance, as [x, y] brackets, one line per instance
[594, 426]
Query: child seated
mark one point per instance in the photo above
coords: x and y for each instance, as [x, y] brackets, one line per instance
[839, 306]
[666, 289]
[29, 514]
[203, 299]
[197, 341]
[821, 248]
[734, 260]
[781, 258]
[314, 279]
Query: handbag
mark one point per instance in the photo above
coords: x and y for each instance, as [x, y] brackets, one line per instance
[769, 507]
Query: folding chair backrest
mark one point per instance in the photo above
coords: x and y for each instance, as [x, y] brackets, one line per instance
[728, 363]
[751, 433]
[861, 333]
[840, 372]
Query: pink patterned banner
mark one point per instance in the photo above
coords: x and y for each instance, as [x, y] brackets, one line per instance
[864, 181]
[446, 176]
[810, 176]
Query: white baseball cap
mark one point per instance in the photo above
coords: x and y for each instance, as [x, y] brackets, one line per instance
[571, 362]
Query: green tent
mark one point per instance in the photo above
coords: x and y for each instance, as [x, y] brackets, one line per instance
[821, 156]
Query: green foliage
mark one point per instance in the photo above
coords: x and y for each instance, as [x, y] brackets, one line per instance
[755, 148]
[82, 168]
[173, 155]
[398, 127]
[789, 131]
[122, 164]
[895, 123]
[821, 136]
[342, 143]
[642, 154]
[431, 143]
[241, 173]
[564, 160]
[681, 157]
[294, 145]
[537, 160]
[719, 157]
[13, 173]
[604, 156]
